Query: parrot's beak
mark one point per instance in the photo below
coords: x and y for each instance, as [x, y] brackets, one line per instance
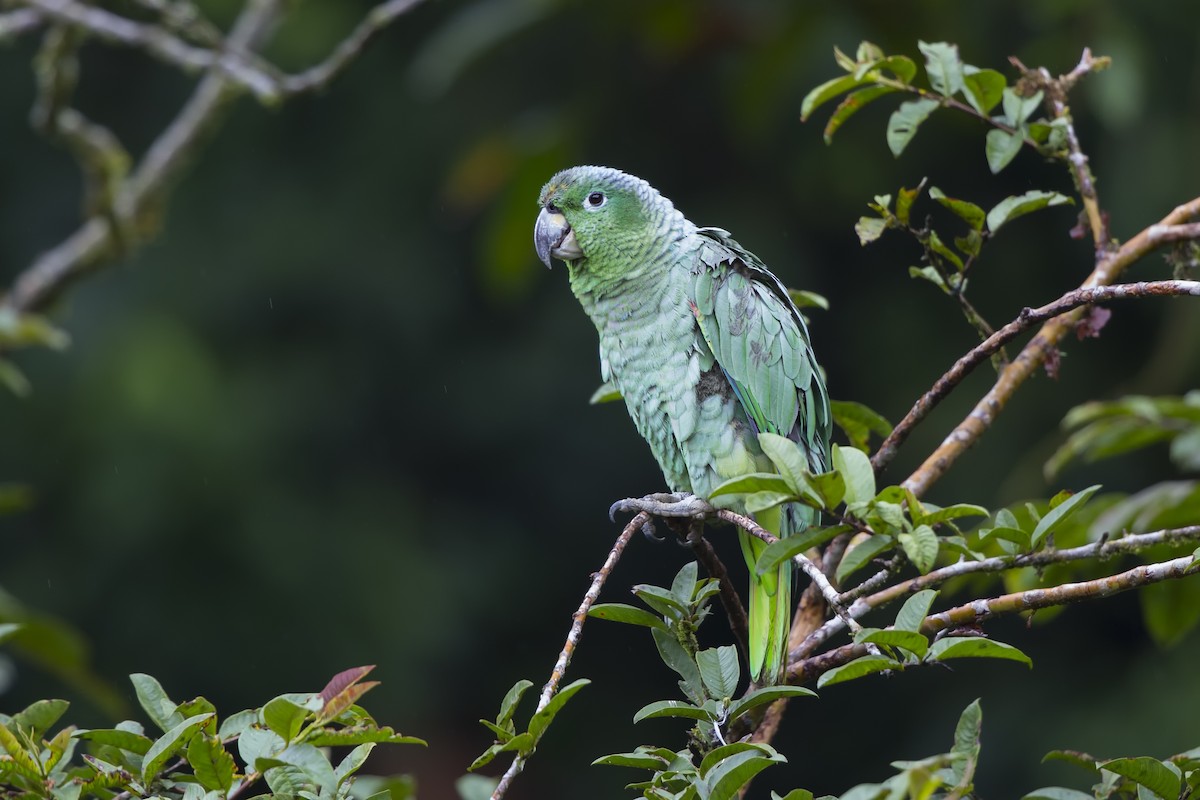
[552, 236]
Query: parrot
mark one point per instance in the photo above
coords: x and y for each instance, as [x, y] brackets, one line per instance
[707, 349]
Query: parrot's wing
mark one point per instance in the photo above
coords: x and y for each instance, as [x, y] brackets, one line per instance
[761, 342]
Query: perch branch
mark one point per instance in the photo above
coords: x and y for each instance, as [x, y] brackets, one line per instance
[1108, 268]
[1063, 594]
[577, 620]
[1027, 319]
[1099, 550]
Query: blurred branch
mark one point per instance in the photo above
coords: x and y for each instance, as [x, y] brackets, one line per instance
[14, 23]
[129, 209]
[1109, 266]
[577, 620]
[1026, 319]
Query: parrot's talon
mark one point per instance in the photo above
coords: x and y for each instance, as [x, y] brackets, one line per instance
[663, 504]
[650, 534]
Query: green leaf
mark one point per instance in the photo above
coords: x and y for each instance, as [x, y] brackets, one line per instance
[154, 701]
[955, 511]
[620, 612]
[353, 762]
[719, 670]
[661, 600]
[974, 647]
[869, 229]
[904, 200]
[754, 482]
[968, 212]
[719, 754]
[788, 458]
[943, 66]
[212, 764]
[734, 772]
[858, 421]
[672, 708]
[37, 718]
[903, 67]
[13, 379]
[475, 787]
[675, 657]
[339, 737]
[825, 92]
[1170, 610]
[913, 642]
[930, 274]
[861, 554]
[542, 719]
[851, 104]
[802, 298]
[308, 760]
[635, 760]
[284, 717]
[914, 610]
[683, 586]
[761, 501]
[125, 740]
[856, 472]
[234, 725]
[857, 668]
[509, 704]
[1017, 109]
[256, 743]
[1149, 772]
[1058, 793]
[983, 88]
[1012, 207]
[1060, 513]
[902, 125]
[168, 744]
[767, 694]
[1000, 148]
[786, 549]
[606, 393]
[966, 733]
[921, 546]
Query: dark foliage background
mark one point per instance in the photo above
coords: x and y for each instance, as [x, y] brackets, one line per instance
[337, 413]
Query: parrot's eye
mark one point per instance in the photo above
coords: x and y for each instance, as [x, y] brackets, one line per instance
[595, 200]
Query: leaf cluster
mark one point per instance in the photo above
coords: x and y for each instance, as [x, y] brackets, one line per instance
[1142, 777]
[197, 755]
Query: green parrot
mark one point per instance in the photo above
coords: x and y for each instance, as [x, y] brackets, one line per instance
[707, 349]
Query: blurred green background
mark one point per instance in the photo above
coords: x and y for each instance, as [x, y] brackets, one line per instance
[336, 414]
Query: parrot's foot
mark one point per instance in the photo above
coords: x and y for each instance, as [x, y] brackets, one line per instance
[663, 504]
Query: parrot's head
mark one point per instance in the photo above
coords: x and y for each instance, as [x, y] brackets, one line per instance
[589, 212]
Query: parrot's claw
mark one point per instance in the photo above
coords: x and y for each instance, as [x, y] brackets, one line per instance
[663, 504]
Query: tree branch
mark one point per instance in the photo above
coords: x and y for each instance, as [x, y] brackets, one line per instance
[14, 23]
[979, 610]
[1103, 549]
[138, 205]
[735, 613]
[1108, 268]
[1027, 319]
[577, 620]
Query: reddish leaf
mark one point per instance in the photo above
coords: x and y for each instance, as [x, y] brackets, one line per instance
[340, 682]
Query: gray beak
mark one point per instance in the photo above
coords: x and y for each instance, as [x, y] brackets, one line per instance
[552, 236]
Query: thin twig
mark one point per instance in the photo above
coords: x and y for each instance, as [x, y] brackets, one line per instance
[577, 620]
[1027, 319]
[804, 562]
[1108, 268]
[735, 613]
[14, 23]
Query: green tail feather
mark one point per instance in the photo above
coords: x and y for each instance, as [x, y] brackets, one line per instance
[770, 613]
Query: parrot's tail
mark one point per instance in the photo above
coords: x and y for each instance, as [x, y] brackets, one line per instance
[770, 615]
